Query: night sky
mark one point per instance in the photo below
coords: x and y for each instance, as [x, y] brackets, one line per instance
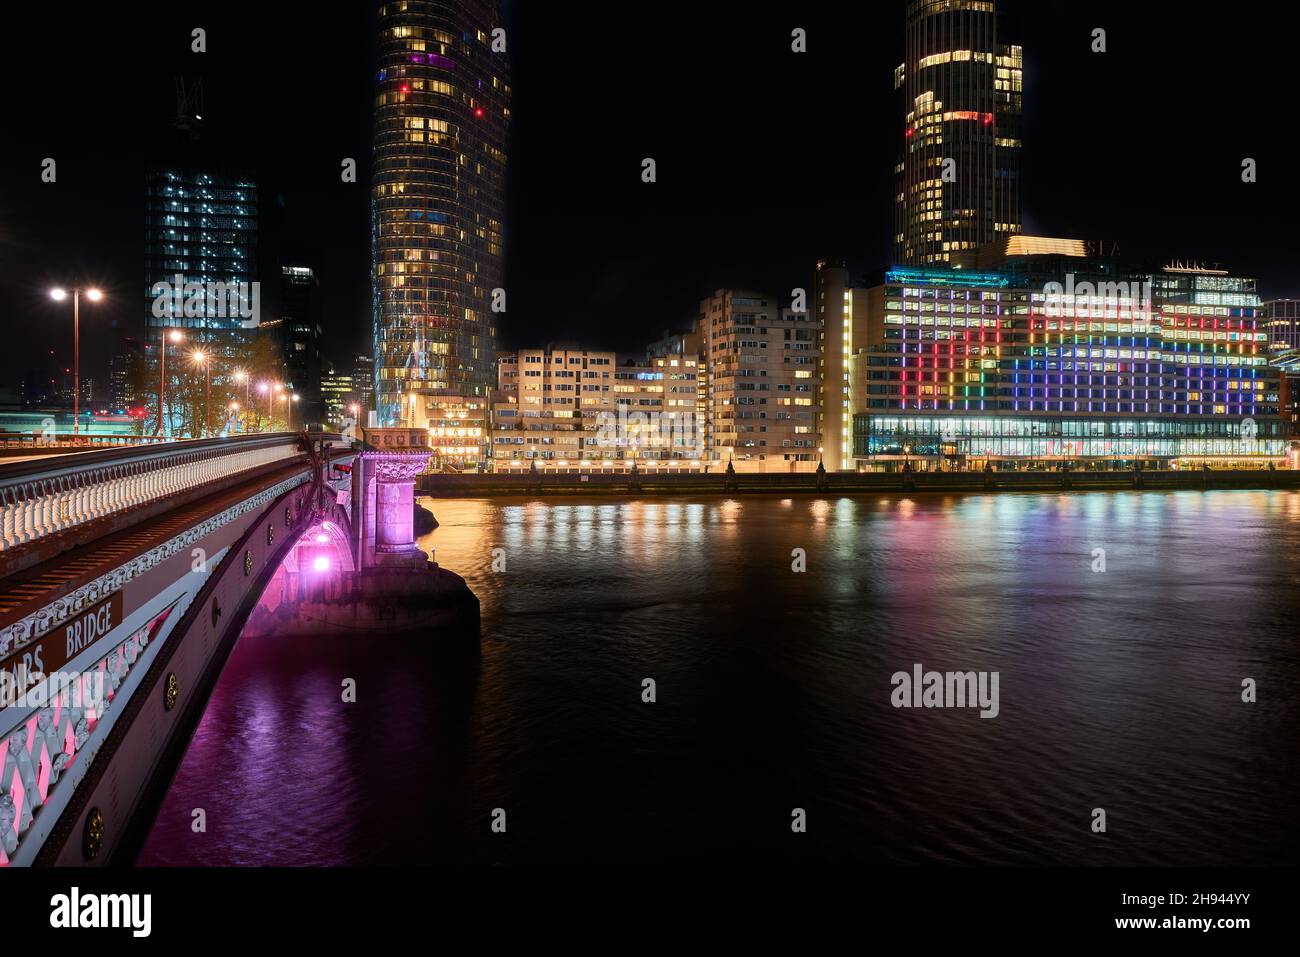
[767, 160]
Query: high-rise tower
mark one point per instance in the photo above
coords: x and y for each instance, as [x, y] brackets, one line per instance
[959, 170]
[442, 111]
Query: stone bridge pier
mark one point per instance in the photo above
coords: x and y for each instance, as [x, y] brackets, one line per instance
[385, 483]
[388, 584]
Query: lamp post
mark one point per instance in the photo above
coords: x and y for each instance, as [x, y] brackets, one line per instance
[58, 295]
[244, 377]
[234, 410]
[292, 400]
[202, 358]
[265, 389]
[174, 335]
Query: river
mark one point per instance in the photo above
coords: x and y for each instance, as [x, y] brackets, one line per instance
[1121, 627]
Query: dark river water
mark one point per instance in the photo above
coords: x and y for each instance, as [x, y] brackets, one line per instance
[1118, 690]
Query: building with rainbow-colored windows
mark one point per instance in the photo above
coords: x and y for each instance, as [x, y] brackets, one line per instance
[1062, 360]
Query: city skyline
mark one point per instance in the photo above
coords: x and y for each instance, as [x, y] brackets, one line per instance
[615, 293]
[503, 434]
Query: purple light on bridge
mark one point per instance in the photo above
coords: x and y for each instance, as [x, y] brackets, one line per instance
[321, 564]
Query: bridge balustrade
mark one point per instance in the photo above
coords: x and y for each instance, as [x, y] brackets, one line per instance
[46, 496]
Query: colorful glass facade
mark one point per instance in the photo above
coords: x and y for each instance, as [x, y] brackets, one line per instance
[442, 110]
[970, 365]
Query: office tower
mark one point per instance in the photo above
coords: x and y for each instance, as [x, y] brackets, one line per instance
[338, 392]
[958, 174]
[442, 111]
[300, 335]
[363, 375]
[200, 236]
[761, 367]
[1282, 317]
[125, 374]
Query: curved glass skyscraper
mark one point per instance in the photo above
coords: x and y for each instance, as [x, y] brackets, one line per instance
[959, 170]
[442, 111]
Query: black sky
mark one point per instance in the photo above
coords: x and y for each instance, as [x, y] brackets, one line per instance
[766, 159]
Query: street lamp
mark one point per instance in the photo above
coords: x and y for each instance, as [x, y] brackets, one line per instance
[58, 295]
[288, 407]
[265, 389]
[174, 335]
[203, 359]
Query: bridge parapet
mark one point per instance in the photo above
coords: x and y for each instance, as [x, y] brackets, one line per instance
[44, 497]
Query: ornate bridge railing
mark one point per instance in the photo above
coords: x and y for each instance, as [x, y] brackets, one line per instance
[47, 496]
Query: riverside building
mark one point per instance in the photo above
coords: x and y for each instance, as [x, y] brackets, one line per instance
[1060, 358]
[578, 410]
[762, 387]
[960, 103]
[441, 127]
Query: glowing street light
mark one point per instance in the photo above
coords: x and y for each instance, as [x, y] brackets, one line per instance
[58, 295]
[286, 398]
[201, 358]
[265, 389]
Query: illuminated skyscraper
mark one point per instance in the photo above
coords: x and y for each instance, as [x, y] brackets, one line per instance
[200, 228]
[959, 170]
[442, 112]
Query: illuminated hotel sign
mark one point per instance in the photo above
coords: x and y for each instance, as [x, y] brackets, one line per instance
[1194, 265]
[1100, 247]
[25, 667]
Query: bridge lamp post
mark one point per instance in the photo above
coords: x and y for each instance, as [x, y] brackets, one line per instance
[173, 335]
[294, 399]
[58, 295]
[234, 410]
[201, 358]
[270, 411]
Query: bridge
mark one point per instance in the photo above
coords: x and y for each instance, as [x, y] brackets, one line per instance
[128, 574]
